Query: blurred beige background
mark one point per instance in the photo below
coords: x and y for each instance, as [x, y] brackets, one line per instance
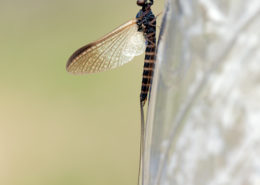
[56, 128]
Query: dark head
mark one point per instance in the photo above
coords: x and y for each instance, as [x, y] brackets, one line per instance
[144, 2]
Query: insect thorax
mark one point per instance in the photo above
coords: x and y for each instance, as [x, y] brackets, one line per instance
[146, 20]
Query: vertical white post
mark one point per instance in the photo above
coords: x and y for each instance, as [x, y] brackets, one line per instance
[203, 123]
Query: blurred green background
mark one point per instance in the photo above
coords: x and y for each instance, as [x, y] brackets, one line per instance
[56, 128]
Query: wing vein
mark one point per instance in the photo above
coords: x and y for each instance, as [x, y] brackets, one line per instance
[112, 50]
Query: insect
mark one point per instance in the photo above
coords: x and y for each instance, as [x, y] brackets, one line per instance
[119, 47]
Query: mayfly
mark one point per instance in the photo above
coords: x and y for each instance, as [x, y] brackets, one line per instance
[119, 47]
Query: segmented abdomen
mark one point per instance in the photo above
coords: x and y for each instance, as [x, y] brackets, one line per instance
[149, 64]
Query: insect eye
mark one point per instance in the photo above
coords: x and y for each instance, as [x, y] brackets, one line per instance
[141, 2]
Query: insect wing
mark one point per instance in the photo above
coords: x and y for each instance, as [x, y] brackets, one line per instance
[111, 51]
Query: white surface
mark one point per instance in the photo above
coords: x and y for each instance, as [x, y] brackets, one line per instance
[204, 114]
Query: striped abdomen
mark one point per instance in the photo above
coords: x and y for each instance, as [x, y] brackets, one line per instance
[149, 64]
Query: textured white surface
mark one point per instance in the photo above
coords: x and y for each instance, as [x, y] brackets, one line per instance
[204, 113]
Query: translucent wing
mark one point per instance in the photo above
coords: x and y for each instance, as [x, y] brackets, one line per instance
[111, 51]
